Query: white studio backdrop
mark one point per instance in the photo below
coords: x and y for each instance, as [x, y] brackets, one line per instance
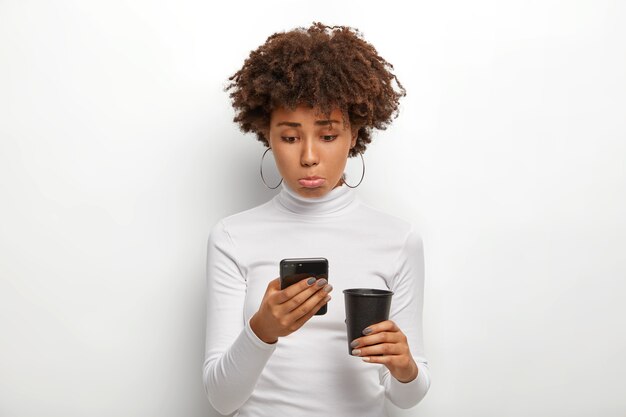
[118, 153]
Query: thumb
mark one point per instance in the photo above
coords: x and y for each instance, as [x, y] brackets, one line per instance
[273, 286]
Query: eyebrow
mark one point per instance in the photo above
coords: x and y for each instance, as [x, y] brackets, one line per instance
[317, 123]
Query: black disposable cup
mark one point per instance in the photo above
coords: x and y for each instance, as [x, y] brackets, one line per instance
[364, 307]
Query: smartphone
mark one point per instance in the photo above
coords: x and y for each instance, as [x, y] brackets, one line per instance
[293, 270]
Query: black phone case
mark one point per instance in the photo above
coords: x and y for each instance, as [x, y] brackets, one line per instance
[293, 270]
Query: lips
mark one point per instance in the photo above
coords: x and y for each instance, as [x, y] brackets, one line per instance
[312, 181]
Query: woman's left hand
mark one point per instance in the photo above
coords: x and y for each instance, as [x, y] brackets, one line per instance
[387, 339]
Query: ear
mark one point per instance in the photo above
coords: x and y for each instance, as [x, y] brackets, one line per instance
[355, 135]
[266, 135]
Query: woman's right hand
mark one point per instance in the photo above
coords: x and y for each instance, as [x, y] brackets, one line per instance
[282, 312]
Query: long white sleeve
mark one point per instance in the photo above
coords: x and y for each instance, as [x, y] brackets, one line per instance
[406, 312]
[234, 355]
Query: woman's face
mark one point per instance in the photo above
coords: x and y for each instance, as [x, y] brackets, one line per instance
[305, 143]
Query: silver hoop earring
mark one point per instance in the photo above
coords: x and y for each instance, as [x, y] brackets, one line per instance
[362, 174]
[263, 179]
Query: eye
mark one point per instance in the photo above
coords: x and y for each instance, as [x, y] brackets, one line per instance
[332, 137]
[286, 138]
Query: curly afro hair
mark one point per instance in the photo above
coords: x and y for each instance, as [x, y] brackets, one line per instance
[326, 67]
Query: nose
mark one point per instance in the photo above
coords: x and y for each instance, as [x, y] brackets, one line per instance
[309, 154]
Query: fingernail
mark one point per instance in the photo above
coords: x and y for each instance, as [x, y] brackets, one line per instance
[355, 352]
[328, 288]
[310, 281]
[367, 331]
[354, 343]
[321, 282]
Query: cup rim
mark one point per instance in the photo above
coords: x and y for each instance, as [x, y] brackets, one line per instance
[372, 292]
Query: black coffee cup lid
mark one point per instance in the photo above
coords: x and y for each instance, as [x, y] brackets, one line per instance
[368, 292]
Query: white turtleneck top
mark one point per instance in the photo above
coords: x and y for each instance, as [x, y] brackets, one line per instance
[309, 372]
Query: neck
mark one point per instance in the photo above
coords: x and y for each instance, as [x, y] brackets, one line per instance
[336, 201]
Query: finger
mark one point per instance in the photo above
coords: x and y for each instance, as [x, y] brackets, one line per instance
[299, 299]
[387, 325]
[309, 305]
[286, 294]
[380, 349]
[384, 359]
[299, 322]
[382, 337]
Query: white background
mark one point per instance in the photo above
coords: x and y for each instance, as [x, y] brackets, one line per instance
[118, 153]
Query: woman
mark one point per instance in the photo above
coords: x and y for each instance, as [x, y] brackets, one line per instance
[312, 96]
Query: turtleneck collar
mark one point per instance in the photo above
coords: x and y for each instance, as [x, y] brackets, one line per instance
[335, 202]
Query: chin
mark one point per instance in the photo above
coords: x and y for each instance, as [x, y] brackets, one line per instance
[312, 192]
[316, 190]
